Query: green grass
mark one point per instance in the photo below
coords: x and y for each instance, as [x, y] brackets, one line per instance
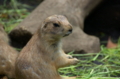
[11, 15]
[102, 65]
[95, 65]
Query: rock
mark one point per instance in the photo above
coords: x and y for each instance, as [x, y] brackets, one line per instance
[75, 11]
[78, 41]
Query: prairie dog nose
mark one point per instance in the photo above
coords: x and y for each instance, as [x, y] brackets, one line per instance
[70, 30]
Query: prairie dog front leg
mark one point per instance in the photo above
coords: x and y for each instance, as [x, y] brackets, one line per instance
[65, 60]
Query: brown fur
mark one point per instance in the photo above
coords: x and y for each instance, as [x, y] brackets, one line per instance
[7, 55]
[43, 54]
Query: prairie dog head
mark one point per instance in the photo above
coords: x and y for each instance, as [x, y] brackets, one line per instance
[56, 27]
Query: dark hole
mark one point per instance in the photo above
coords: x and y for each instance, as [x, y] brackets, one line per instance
[104, 21]
[19, 38]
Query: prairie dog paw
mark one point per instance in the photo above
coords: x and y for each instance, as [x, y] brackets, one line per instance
[75, 61]
[69, 57]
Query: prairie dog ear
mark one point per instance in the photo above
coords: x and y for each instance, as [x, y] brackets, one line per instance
[43, 25]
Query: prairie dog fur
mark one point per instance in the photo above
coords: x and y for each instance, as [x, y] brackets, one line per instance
[7, 55]
[43, 54]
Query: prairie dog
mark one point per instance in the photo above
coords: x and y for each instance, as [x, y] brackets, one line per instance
[7, 55]
[43, 54]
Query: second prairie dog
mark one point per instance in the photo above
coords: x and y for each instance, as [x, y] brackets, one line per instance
[7, 55]
[43, 54]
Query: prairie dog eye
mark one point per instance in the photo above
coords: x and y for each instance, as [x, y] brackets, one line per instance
[56, 25]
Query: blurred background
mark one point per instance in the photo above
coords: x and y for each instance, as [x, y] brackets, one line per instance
[102, 22]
